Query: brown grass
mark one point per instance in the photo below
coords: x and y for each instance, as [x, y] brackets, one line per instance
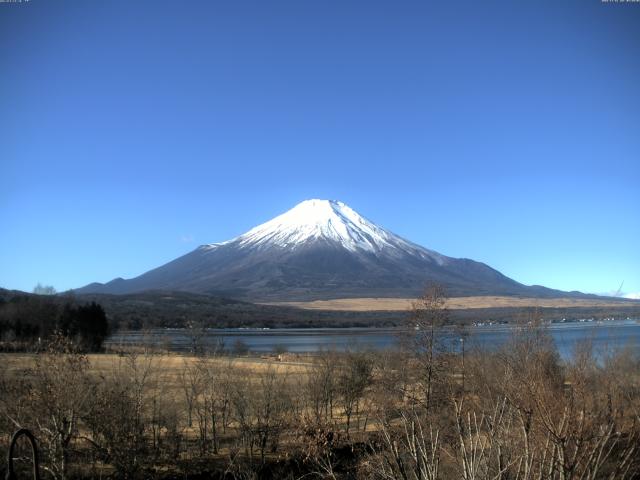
[170, 364]
[456, 303]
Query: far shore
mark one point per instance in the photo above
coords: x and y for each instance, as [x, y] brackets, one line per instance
[454, 303]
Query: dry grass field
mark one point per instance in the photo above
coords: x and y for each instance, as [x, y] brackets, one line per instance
[456, 303]
[334, 415]
[165, 381]
[170, 364]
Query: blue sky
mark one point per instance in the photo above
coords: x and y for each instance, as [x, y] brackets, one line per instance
[507, 132]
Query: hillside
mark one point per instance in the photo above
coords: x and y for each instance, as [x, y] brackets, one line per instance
[321, 250]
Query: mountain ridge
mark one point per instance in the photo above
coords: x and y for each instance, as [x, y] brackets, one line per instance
[320, 249]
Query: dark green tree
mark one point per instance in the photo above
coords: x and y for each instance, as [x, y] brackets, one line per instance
[86, 323]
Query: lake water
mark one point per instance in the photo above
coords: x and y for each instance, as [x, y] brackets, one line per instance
[604, 336]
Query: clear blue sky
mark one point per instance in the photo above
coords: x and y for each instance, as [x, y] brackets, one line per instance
[507, 132]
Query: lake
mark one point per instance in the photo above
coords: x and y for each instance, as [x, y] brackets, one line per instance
[604, 335]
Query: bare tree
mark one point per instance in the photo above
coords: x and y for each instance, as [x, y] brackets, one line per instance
[119, 417]
[320, 387]
[262, 414]
[428, 313]
[212, 401]
[196, 331]
[410, 450]
[40, 289]
[60, 391]
[191, 383]
[354, 376]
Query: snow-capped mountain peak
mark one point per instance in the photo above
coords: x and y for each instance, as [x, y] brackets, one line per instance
[320, 249]
[328, 220]
[318, 219]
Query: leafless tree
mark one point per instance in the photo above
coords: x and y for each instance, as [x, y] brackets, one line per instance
[411, 449]
[59, 396]
[212, 400]
[354, 376]
[119, 417]
[196, 332]
[428, 314]
[40, 289]
[191, 383]
[320, 387]
[261, 411]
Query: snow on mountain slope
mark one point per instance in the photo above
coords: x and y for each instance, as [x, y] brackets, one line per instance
[320, 249]
[328, 220]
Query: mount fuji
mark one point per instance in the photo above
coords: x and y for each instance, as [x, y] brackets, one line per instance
[320, 249]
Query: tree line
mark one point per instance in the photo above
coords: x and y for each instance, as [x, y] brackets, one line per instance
[26, 321]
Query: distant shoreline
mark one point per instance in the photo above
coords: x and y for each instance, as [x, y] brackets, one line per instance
[604, 334]
[454, 303]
